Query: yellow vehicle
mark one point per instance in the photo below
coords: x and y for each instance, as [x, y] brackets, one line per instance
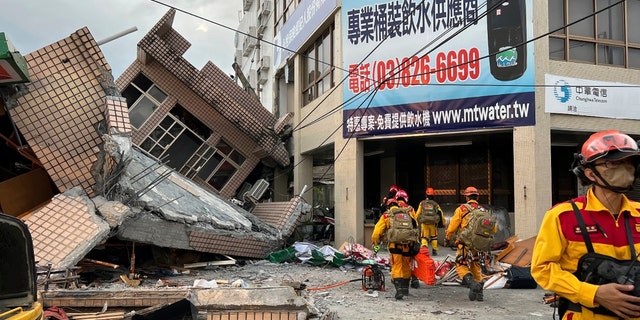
[18, 288]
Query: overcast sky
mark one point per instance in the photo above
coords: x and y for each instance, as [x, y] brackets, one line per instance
[33, 24]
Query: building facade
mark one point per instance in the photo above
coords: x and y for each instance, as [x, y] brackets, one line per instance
[497, 95]
[199, 122]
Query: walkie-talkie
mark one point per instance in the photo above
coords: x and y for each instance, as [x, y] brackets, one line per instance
[506, 32]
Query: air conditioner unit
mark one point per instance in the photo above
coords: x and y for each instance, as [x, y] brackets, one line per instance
[247, 4]
[246, 47]
[262, 76]
[266, 8]
[264, 64]
[262, 24]
[253, 33]
[253, 78]
[257, 191]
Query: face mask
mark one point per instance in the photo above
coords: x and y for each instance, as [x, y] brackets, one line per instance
[621, 176]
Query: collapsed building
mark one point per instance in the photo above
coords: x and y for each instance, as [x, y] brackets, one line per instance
[158, 164]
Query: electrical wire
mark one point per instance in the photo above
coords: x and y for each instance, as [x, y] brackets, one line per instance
[478, 59]
[334, 285]
[400, 67]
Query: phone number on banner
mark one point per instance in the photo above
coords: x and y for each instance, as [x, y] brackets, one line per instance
[452, 66]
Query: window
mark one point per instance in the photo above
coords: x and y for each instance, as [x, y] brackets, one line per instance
[283, 9]
[179, 141]
[608, 38]
[318, 67]
[214, 165]
[143, 97]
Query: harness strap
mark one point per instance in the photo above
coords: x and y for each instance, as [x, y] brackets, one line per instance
[583, 227]
[576, 307]
[629, 236]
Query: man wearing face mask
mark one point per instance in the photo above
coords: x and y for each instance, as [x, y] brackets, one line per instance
[599, 226]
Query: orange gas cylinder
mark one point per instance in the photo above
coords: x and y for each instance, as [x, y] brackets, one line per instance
[443, 268]
[426, 269]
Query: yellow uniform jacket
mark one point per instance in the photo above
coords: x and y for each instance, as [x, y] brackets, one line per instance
[560, 244]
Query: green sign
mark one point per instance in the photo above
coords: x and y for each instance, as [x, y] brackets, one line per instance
[13, 66]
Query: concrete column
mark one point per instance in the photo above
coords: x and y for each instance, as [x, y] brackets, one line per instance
[532, 178]
[302, 164]
[349, 191]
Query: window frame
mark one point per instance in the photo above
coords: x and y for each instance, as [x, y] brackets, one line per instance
[311, 86]
[597, 45]
[197, 160]
[149, 94]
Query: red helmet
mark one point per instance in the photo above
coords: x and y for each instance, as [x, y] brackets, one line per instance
[600, 143]
[394, 188]
[430, 192]
[391, 201]
[471, 191]
[402, 194]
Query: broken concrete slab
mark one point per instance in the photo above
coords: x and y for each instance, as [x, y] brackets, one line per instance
[216, 299]
[85, 140]
[247, 298]
[66, 229]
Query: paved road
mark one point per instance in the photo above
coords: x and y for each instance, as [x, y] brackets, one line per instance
[439, 302]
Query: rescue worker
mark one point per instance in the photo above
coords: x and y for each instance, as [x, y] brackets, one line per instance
[403, 201]
[429, 231]
[390, 195]
[467, 265]
[609, 164]
[400, 253]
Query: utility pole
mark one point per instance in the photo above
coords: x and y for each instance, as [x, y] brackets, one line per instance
[243, 79]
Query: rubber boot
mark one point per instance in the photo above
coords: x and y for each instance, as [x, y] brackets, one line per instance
[434, 252]
[467, 279]
[479, 293]
[405, 286]
[398, 285]
[475, 288]
[415, 283]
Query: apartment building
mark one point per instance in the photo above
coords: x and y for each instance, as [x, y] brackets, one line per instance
[496, 94]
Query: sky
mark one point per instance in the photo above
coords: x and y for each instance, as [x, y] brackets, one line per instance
[33, 24]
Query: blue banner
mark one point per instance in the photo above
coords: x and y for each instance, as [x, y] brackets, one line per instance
[448, 115]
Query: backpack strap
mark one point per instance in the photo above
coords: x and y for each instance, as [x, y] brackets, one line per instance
[469, 209]
[629, 236]
[583, 227]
